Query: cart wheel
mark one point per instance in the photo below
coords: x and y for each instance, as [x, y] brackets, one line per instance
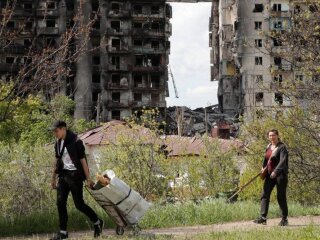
[136, 230]
[120, 230]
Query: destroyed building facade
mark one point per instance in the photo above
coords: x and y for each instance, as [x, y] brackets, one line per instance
[127, 68]
[241, 57]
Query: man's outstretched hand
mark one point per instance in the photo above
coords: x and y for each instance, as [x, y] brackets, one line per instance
[54, 184]
[89, 183]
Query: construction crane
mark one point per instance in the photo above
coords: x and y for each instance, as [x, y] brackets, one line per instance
[174, 83]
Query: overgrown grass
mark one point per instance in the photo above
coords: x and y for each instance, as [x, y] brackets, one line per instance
[187, 214]
[275, 233]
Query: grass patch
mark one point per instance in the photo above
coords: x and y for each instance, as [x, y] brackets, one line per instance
[187, 214]
[276, 233]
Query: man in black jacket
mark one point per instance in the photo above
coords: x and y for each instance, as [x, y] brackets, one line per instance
[72, 169]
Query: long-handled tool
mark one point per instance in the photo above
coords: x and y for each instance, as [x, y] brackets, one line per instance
[244, 186]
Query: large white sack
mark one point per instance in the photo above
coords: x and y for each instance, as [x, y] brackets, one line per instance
[137, 211]
[129, 202]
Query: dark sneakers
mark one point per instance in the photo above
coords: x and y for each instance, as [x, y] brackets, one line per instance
[283, 222]
[59, 236]
[261, 220]
[98, 229]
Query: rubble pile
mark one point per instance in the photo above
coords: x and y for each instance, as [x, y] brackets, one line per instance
[186, 122]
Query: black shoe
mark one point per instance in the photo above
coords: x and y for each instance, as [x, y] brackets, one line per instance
[261, 220]
[59, 236]
[283, 222]
[98, 229]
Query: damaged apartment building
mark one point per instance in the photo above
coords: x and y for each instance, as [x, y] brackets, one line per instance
[128, 66]
[240, 58]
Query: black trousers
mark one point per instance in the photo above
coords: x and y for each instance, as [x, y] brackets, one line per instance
[70, 182]
[281, 182]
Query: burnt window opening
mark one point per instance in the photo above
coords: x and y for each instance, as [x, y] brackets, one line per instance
[116, 25]
[115, 7]
[155, 26]
[277, 7]
[277, 61]
[115, 79]
[115, 114]
[313, 8]
[259, 97]
[139, 60]
[29, 25]
[95, 6]
[51, 5]
[137, 25]
[9, 60]
[96, 78]
[137, 97]
[277, 42]
[27, 42]
[155, 44]
[155, 81]
[154, 60]
[277, 25]
[155, 97]
[115, 61]
[297, 9]
[137, 80]
[299, 77]
[258, 25]
[137, 9]
[155, 10]
[50, 42]
[258, 43]
[96, 24]
[138, 42]
[95, 96]
[116, 96]
[258, 8]
[27, 6]
[258, 60]
[278, 79]
[116, 43]
[95, 42]
[50, 23]
[70, 6]
[96, 60]
[10, 24]
[278, 97]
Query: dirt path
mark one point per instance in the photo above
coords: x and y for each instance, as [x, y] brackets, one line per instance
[189, 231]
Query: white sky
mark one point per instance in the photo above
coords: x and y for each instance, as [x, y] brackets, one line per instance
[190, 56]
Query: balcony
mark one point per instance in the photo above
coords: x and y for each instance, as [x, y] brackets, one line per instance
[119, 49]
[117, 32]
[149, 69]
[149, 50]
[116, 86]
[14, 49]
[282, 67]
[115, 68]
[148, 32]
[149, 88]
[48, 31]
[119, 13]
[42, 12]
[8, 67]
[286, 14]
[150, 103]
[123, 103]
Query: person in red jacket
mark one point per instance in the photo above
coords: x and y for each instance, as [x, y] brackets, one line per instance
[275, 172]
